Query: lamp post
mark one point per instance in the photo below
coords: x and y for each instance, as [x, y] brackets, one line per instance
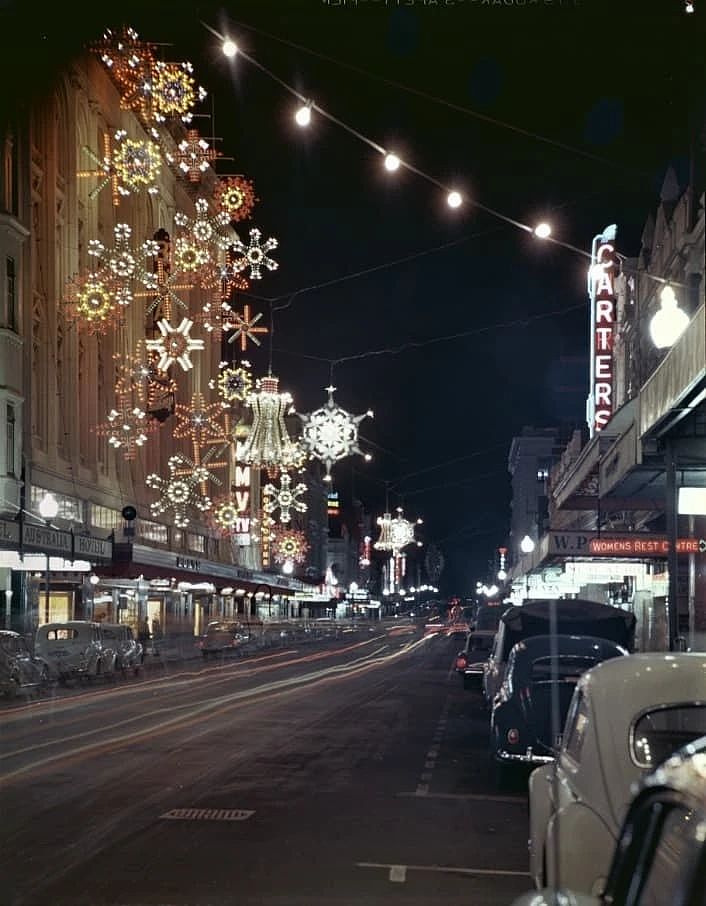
[526, 547]
[48, 508]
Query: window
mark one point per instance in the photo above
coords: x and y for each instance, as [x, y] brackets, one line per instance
[674, 859]
[152, 531]
[61, 635]
[10, 293]
[196, 542]
[577, 722]
[10, 439]
[104, 517]
[70, 508]
[659, 733]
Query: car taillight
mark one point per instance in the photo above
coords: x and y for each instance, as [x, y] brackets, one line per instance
[460, 662]
[513, 736]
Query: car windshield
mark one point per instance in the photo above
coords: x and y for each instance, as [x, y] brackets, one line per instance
[660, 732]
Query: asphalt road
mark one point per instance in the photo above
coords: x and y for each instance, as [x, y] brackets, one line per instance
[354, 772]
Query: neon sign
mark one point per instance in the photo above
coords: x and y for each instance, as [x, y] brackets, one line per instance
[601, 284]
[241, 497]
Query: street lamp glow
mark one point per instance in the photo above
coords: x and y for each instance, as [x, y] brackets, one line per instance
[48, 506]
[502, 575]
[542, 231]
[288, 567]
[454, 199]
[93, 579]
[669, 322]
[303, 115]
[527, 545]
[492, 591]
[392, 162]
[229, 48]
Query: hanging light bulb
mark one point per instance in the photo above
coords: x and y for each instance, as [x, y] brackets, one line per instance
[669, 322]
[527, 545]
[229, 48]
[454, 199]
[392, 162]
[303, 115]
[542, 231]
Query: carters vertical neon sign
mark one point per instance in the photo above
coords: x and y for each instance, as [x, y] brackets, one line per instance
[601, 289]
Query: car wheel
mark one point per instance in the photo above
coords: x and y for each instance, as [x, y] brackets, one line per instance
[44, 678]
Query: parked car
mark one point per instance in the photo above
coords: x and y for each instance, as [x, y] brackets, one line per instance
[227, 635]
[20, 669]
[75, 648]
[540, 679]
[470, 661]
[626, 715]
[660, 856]
[562, 616]
[128, 651]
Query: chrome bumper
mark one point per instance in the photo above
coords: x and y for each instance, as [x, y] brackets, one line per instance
[529, 757]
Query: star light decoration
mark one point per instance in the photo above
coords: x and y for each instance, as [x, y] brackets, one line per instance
[285, 498]
[129, 61]
[175, 345]
[235, 196]
[200, 421]
[289, 545]
[228, 519]
[89, 303]
[234, 384]
[165, 295]
[395, 534]
[254, 255]
[126, 428]
[174, 91]
[124, 263]
[129, 167]
[139, 375]
[180, 491]
[194, 155]
[245, 327]
[330, 433]
[268, 444]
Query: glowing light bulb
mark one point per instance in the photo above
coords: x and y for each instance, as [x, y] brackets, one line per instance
[453, 199]
[229, 48]
[527, 545]
[392, 161]
[303, 115]
[288, 567]
[542, 231]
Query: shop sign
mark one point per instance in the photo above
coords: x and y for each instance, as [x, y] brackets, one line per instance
[601, 282]
[644, 547]
[93, 548]
[189, 563]
[241, 496]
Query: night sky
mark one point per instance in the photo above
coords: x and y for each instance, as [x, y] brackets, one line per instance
[481, 96]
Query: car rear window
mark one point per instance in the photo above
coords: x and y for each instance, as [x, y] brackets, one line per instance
[660, 732]
[566, 667]
[61, 635]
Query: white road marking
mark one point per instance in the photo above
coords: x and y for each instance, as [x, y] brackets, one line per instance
[398, 873]
[472, 797]
[450, 869]
[208, 814]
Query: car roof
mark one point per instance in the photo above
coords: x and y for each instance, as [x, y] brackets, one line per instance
[74, 624]
[566, 644]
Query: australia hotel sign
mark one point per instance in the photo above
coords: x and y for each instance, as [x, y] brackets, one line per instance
[604, 269]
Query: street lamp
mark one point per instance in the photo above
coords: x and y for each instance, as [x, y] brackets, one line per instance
[669, 321]
[527, 545]
[48, 508]
[94, 580]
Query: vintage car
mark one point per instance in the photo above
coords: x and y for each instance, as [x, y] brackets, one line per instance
[660, 856]
[20, 670]
[223, 636]
[470, 661]
[129, 653]
[529, 711]
[563, 616]
[626, 716]
[75, 649]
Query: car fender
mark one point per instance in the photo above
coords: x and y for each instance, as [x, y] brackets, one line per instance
[585, 846]
[541, 806]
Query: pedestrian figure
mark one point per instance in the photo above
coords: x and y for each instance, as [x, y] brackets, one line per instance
[156, 634]
[144, 637]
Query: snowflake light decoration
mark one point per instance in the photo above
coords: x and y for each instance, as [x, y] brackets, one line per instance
[178, 492]
[165, 295]
[194, 155]
[268, 442]
[175, 345]
[138, 374]
[123, 262]
[215, 317]
[395, 534]
[235, 196]
[207, 230]
[126, 428]
[227, 517]
[136, 164]
[234, 385]
[288, 544]
[89, 303]
[129, 61]
[245, 327]
[330, 433]
[174, 91]
[254, 255]
[285, 498]
[199, 421]
[221, 276]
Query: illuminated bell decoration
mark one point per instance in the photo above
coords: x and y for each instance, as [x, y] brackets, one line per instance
[235, 196]
[178, 492]
[285, 498]
[174, 91]
[245, 328]
[175, 345]
[268, 442]
[331, 433]
[126, 428]
[194, 155]
[288, 544]
[669, 322]
[254, 255]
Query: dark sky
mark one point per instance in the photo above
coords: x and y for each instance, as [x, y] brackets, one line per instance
[621, 83]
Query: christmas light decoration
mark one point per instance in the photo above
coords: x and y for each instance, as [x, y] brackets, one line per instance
[254, 255]
[221, 276]
[138, 374]
[89, 303]
[289, 545]
[244, 327]
[215, 317]
[395, 534]
[266, 524]
[285, 498]
[165, 296]
[126, 428]
[234, 385]
[330, 433]
[175, 345]
[174, 91]
[268, 442]
[669, 322]
[179, 491]
[228, 518]
[123, 262]
[365, 552]
[129, 61]
[235, 196]
[200, 240]
[194, 155]
[136, 164]
[199, 421]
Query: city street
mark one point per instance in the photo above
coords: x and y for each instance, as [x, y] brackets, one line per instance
[351, 772]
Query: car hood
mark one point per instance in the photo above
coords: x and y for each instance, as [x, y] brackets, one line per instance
[550, 897]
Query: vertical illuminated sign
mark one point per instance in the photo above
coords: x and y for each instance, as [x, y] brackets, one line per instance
[601, 289]
[241, 496]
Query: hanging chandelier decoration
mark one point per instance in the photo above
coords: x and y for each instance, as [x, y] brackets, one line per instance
[175, 345]
[289, 545]
[245, 328]
[180, 490]
[254, 255]
[194, 156]
[285, 498]
[235, 196]
[330, 433]
[268, 442]
[124, 264]
[126, 428]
